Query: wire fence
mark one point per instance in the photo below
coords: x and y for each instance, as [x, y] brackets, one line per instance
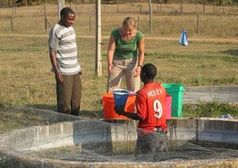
[167, 19]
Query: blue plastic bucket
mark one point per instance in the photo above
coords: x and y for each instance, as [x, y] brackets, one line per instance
[120, 97]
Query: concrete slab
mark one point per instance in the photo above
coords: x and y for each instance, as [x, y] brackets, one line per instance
[195, 95]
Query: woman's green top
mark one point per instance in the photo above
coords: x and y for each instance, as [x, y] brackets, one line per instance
[126, 49]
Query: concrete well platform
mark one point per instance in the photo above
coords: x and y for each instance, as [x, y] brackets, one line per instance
[114, 138]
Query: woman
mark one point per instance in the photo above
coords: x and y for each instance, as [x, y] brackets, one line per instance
[125, 56]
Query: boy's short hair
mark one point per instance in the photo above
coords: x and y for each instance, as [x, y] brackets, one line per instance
[150, 70]
[66, 11]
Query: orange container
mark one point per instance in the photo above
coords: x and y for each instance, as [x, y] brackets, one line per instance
[108, 107]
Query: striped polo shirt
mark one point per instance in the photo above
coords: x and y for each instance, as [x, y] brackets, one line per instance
[63, 40]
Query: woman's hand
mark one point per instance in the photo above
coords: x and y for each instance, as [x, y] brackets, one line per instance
[110, 68]
[137, 71]
[110, 53]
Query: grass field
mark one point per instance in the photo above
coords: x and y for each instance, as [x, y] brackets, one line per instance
[27, 79]
[210, 59]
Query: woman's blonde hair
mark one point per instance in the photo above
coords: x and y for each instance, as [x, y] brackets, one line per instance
[129, 22]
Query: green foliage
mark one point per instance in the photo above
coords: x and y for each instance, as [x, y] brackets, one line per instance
[212, 109]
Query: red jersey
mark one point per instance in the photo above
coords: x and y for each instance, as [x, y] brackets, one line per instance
[150, 105]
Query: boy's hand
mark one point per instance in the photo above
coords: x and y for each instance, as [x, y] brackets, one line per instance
[59, 77]
[119, 110]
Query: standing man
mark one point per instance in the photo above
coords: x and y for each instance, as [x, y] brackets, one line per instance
[150, 104]
[63, 56]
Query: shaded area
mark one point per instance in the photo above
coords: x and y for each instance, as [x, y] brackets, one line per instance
[233, 52]
[82, 114]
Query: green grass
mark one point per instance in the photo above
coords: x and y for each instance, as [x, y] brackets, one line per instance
[27, 79]
[201, 63]
[210, 110]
